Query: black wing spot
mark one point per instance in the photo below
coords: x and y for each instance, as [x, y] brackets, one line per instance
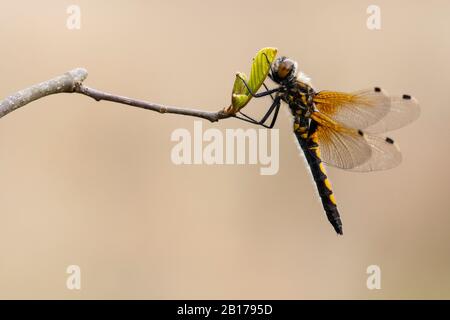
[361, 133]
[389, 140]
[377, 89]
[406, 97]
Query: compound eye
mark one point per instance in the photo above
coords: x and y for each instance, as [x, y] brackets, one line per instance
[285, 69]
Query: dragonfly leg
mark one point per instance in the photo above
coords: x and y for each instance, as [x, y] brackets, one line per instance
[270, 75]
[274, 107]
[275, 115]
[261, 94]
[249, 119]
[268, 90]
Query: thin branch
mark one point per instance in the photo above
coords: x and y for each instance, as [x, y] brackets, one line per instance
[65, 83]
[99, 95]
[72, 82]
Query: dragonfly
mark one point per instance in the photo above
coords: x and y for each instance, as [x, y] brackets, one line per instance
[336, 128]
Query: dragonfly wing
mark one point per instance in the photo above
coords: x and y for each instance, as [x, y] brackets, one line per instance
[353, 149]
[339, 146]
[384, 154]
[403, 111]
[359, 109]
[371, 109]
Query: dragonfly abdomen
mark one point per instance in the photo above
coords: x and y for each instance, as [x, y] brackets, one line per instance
[312, 154]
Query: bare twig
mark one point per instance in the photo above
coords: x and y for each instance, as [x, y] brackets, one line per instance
[99, 95]
[65, 83]
[71, 82]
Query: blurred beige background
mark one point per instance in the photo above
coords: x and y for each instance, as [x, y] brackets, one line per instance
[92, 184]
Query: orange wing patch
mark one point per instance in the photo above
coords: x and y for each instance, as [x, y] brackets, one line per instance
[352, 149]
[340, 146]
[329, 102]
[357, 110]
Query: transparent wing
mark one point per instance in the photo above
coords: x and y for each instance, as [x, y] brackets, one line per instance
[339, 146]
[403, 110]
[352, 149]
[359, 109]
[384, 154]
[371, 109]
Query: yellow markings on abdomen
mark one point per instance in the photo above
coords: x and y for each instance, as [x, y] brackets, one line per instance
[318, 154]
[322, 168]
[326, 182]
[302, 130]
[332, 199]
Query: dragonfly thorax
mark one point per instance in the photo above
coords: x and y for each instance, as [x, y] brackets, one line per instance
[299, 97]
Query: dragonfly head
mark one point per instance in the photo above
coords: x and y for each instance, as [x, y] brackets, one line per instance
[283, 70]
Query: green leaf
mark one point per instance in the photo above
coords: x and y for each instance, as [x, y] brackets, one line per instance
[260, 69]
[239, 96]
